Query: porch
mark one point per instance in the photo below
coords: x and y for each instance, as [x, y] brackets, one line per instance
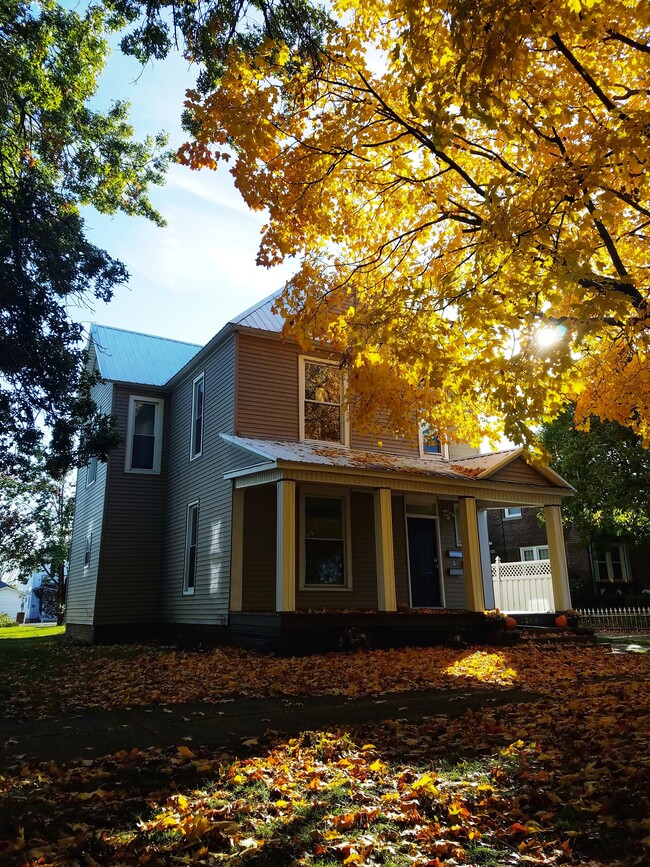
[333, 546]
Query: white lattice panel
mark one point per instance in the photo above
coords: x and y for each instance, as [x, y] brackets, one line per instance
[523, 586]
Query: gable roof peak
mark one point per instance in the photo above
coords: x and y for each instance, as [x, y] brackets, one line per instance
[261, 315]
[132, 356]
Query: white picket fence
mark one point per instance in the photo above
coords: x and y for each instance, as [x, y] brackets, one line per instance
[615, 618]
[524, 585]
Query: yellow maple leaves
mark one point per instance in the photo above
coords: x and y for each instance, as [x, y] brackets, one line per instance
[457, 178]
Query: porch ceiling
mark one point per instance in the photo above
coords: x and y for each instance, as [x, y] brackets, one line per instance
[334, 464]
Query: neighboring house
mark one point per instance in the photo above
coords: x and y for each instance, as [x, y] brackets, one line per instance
[39, 601]
[243, 503]
[610, 571]
[10, 600]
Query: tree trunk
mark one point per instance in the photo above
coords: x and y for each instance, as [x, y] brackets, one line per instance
[60, 594]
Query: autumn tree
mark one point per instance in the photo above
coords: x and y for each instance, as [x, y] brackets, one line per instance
[58, 154]
[610, 469]
[464, 184]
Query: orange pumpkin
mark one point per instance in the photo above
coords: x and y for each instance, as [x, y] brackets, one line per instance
[560, 621]
[511, 623]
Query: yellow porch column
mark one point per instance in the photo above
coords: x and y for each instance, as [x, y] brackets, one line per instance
[471, 554]
[557, 556]
[285, 563]
[386, 598]
[237, 551]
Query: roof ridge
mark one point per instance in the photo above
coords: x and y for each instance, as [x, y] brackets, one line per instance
[144, 334]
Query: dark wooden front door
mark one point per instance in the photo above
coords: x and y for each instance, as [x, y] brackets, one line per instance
[423, 563]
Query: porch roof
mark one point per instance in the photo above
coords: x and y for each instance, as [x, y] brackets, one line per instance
[275, 454]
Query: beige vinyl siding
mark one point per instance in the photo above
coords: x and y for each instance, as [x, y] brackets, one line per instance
[454, 584]
[201, 480]
[131, 552]
[461, 450]
[267, 388]
[401, 446]
[260, 540]
[400, 551]
[267, 399]
[521, 473]
[88, 518]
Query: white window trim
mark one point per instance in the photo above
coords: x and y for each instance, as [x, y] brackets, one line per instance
[345, 420]
[92, 481]
[325, 493]
[507, 517]
[189, 591]
[200, 378]
[536, 549]
[444, 447]
[158, 431]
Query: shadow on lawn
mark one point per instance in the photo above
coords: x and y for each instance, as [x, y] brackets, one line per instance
[560, 783]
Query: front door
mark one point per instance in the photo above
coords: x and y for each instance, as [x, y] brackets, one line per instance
[423, 562]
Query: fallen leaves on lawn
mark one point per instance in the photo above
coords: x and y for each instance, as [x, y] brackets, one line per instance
[562, 781]
[78, 678]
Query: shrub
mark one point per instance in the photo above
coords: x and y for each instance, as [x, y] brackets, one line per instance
[5, 620]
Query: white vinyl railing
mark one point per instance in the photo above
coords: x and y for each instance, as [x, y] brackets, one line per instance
[523, 586]
[615, 618]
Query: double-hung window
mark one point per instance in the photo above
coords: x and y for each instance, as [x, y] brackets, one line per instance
[325, 555]
[198, 397]
[322, 411]
[144, 435]
[91, 471]
[191, 545]
[534, 552]
[611, 563]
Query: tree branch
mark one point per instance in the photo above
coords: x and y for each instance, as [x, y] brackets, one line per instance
[584, 74]
[638, 46]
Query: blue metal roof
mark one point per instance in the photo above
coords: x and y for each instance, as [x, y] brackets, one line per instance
[128, 356]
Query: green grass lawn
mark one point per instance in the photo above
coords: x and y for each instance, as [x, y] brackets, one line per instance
[31, 631]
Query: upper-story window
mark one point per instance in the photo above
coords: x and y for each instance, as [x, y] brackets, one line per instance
[144, 435]
[431, 446]
[512, 512]
[198, 397]
[322, 401]
[91, 471]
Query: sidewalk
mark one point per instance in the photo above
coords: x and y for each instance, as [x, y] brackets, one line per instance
[227, 723]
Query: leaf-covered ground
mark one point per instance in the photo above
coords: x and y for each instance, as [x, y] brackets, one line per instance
[50, 677]
[562, 781]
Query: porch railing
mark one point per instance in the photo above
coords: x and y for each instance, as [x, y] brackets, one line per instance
[524, 585]
[615, 618]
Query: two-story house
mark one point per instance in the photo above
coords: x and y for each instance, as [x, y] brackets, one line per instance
[243, 503]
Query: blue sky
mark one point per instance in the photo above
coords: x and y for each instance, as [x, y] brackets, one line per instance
[189, 278]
